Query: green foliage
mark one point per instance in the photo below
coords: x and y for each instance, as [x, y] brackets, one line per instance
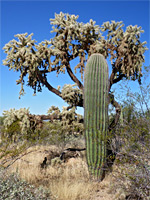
[51, 134]
[12, 133]
[12, 187]
[128, 112]
[96, 114]
[1, 120]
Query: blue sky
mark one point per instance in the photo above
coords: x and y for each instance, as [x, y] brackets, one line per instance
[33, 17]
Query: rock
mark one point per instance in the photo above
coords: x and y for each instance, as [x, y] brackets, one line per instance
[43, 164]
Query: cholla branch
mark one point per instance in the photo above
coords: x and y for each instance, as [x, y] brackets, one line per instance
[73, 40]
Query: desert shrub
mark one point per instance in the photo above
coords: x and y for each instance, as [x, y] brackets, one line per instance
[131, 141]
[20, 125]
[51, 133]
[55, 134]
[136, 148]
[12, 187]
[131, 177]
[12, 133]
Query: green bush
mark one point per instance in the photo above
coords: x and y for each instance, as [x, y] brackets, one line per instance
[12, 188]
[1, 120]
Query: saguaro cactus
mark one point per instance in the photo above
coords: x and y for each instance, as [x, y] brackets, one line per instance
[96, 114]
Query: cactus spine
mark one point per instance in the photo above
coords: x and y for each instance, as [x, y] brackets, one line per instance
[96, 114]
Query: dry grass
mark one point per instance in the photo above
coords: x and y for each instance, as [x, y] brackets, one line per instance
[67, 181]
[70, 181]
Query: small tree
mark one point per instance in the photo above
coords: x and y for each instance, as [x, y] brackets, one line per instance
[77, 40]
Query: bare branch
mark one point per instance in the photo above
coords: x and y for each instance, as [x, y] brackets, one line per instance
[54, 90]
[50, 88]
[40, 118]
[118, 111]
[73, 77]
[113, 81]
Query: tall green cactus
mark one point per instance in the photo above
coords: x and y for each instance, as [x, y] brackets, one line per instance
[96, 114]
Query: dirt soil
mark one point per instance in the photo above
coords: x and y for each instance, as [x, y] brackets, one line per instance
[28, 166]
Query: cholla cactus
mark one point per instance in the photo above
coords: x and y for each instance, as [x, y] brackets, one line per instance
[72, 94]
[21, 115]
[71, 122]
[74, 40]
